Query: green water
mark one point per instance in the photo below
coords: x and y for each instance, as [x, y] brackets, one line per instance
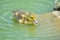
[11, 30]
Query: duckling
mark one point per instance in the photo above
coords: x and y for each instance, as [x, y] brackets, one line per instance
[56, 9]
[25, 17]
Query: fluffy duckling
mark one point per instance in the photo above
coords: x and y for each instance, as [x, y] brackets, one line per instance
[25, 17]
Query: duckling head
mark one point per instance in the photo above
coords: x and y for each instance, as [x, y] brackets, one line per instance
[33, 19]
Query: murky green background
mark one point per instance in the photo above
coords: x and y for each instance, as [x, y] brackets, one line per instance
[11, 30]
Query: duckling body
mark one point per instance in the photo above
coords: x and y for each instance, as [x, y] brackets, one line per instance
[25, 17]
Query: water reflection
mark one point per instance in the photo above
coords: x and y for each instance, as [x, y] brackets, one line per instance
[28, 30]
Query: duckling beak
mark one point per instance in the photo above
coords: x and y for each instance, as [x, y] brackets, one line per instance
[35, 21]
